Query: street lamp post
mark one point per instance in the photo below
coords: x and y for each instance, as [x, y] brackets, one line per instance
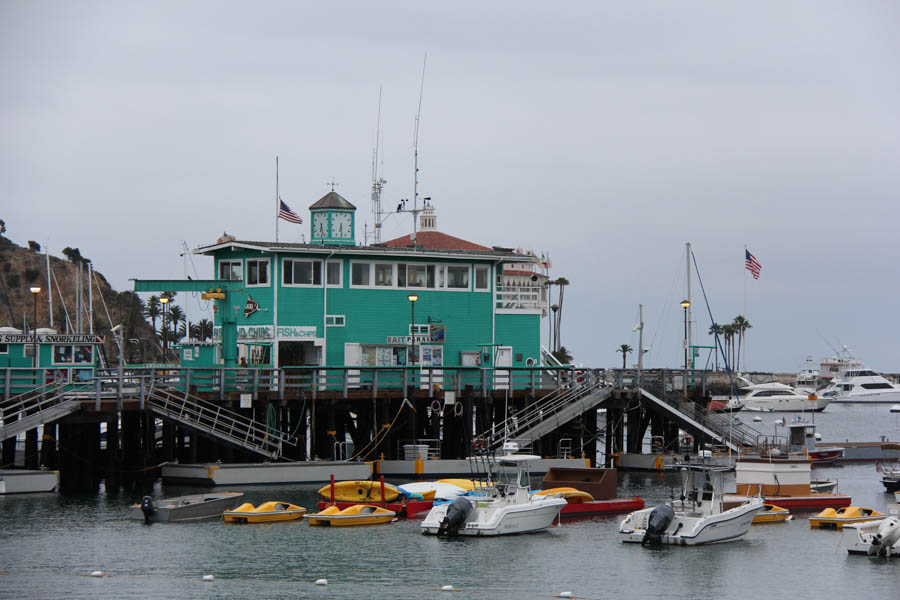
[164, 300]
[34, 294]
[685, 304]
[412, 329]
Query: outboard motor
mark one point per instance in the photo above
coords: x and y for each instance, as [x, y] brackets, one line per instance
[147, 508]
[883, 541]
[457, 513]
[659, 520]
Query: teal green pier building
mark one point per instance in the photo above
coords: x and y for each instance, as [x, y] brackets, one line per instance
[430, 300]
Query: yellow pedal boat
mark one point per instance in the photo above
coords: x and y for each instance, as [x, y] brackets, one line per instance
[358, 514]
[360, 491]
[842, 516]
[264, 513]
[571, 495]
[772, 514]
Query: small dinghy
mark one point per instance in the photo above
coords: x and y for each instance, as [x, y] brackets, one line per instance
[266, 512]
[836, 519]
[358, 514]
[184, 508]
[772, 514]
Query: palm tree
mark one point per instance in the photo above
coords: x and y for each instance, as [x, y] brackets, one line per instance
[624, 349]
[153, 310]
[203, 330]
[715, 330]
[176, 315]
[728, 333]
[562, 355]
[741, 325]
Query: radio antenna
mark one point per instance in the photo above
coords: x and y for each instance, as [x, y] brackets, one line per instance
[377, 180]
[415, 210]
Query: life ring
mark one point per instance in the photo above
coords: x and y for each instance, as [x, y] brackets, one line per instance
[436, 406]
[458, 409]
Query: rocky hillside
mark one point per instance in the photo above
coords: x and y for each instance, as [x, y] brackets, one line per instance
[21, 268]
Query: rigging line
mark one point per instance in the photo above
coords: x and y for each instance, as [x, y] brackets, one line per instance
[712, 320]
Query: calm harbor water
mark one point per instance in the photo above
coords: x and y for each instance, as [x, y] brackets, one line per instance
[50, 543]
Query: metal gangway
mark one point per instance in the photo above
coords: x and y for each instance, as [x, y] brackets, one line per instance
[215, 421]
[551, 412]
[44, 404]
[51, 402]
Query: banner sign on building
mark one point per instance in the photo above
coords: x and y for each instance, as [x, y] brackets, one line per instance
[50, 338]
[268, 332]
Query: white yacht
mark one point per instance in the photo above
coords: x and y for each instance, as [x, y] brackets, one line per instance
[860, 385]
[779, 397]
[697, 517]
[503, 506]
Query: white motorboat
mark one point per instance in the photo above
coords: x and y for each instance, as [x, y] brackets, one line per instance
[875, 538]
[697, 517]
[503, 506]
[185, 508]
[778, 397]
[861, 385]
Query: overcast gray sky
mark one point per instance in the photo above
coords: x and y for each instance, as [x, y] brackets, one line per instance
[607, 134]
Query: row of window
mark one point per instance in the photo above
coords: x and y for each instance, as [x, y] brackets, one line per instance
[307, 272]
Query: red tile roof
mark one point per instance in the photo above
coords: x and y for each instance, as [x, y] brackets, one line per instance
[434, 240]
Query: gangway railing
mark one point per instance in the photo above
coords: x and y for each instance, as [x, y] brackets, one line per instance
[216, 421]
[550, 412]
[41, 405]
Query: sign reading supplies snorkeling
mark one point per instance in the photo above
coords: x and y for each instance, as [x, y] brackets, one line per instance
[268, 332]
[50, 338]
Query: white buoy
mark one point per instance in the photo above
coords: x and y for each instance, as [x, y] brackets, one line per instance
[97, 573]
[321, 581]
[209, 578]
[895, 408]
[757, 419]
[446, 588]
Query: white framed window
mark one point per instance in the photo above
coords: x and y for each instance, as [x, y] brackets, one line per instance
[335, 320]
[301, 273]
[231, 270]
[420, 276]
[482, 278]
[258, 272]
[458, 277]
[4, 348]
[360, 274]
[78, 355]
[384, 274]
[334, 274]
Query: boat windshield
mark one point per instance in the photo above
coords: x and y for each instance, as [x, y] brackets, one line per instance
[512, 474]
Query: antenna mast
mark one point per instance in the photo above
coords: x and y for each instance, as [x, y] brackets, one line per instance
[415, 210]
[377, 180]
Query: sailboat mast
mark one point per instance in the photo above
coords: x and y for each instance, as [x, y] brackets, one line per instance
[689, 307]
[49, 287]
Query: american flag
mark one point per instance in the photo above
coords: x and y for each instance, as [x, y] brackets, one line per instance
[285, 212]
[753, 265]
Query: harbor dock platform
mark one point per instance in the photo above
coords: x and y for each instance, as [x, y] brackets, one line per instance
[212, 474]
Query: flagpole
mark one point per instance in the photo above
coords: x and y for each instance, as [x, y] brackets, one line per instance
[744, 334]
[276, 199]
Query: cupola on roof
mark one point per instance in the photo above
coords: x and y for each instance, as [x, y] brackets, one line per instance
[332, 200]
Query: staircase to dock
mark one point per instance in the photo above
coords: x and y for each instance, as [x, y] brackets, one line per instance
[52, 402]
[549, 413]
[42, 405]
[213, 420]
